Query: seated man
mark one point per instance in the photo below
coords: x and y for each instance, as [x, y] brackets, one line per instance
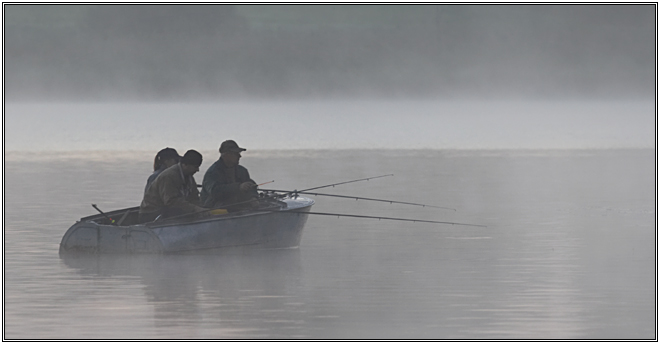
[228, 184]
[174, 191]
[165, 158]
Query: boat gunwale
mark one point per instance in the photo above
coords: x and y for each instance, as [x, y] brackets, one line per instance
[223, 217]
[229, 216]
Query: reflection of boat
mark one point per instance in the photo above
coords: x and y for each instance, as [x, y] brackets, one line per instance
[204, 267]
[226, 289]
[276, 224]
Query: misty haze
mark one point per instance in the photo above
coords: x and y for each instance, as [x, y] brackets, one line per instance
[212, 52]
[536, 121]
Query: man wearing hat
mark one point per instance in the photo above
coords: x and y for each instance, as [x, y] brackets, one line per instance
[226, 182]
[174, 191]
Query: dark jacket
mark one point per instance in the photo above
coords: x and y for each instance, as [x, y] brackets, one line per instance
[171, 193]
[152, 177]
[219, 188]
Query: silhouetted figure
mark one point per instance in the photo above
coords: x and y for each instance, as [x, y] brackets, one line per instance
[165, 158]
[227, 183]
[174, 191]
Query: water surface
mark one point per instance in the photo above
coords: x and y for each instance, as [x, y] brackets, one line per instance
[569, 251]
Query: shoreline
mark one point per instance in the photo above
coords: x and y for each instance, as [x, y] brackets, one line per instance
[106, 155]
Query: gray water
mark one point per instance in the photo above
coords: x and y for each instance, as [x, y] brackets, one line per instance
[569, 251]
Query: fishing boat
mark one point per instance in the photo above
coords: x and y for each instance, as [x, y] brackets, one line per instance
[276, 223]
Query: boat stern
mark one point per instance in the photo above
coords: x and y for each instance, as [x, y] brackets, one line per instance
[88, 236]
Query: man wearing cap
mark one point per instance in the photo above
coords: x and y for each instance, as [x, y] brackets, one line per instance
[226, 182]
[174, 191]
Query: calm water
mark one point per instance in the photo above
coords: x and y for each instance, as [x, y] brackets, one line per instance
[569, 251]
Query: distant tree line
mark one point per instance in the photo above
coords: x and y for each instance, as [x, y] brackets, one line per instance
[149, 21]
[223, 51]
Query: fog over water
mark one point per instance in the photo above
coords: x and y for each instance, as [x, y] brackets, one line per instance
[537, 121]
[345, 124]
[329, 76]
[211, 52]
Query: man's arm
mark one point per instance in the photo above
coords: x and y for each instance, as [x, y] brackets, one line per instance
[172, 197]
[252, 190]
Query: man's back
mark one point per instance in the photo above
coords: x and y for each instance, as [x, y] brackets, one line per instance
[221, 184]
[171, 189]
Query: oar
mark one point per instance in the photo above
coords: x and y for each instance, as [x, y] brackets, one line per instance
[380, 218]
[357, 198]
[102, 213]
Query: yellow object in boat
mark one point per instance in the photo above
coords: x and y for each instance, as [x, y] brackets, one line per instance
[218, 211]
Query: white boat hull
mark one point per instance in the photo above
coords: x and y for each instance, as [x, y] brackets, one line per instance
[280, 228]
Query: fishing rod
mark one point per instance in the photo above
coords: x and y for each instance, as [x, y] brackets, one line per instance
[272, 181]
[102, 213]
[324, 186]
[314, 188]
[295, 193]
[357, 198]
[339, 215]
[350, 181]
[382, 218]
[278, 196]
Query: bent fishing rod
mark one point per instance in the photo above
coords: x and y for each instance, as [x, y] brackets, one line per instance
[356, 198]
[382, 218]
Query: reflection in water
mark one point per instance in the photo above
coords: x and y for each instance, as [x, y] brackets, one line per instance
[189, 291]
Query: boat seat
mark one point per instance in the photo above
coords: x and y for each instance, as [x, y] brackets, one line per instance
[129, 218]
[123, 218]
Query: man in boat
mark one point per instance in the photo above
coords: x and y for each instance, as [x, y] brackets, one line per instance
[226, 183]
[165, 158]
[174, 191]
